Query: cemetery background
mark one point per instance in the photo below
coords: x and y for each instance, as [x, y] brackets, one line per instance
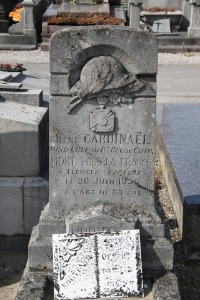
[178, 98]
[27, 33]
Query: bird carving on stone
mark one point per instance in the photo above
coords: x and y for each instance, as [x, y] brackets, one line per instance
[104, 77]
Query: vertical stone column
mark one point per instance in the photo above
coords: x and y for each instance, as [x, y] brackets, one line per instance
[194, 28]
[29, 26]
[134, 9]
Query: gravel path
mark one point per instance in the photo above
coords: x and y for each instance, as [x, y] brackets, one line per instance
[42, 57]
[32, 57]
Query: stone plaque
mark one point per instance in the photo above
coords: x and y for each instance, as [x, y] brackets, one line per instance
[84, 2]
[74, 267]
[97, 266]
[161, 26]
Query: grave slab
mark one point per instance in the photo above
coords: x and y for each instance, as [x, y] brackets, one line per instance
[102, 265]
[23, 198]
[24, 135]
[26, 96]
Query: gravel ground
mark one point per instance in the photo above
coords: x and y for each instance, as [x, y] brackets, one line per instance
[42, 57]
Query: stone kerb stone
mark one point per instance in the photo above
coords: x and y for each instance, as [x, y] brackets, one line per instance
[24, 134]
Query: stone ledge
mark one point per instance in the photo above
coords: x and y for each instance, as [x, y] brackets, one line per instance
[178, 147]
[10, 46]
[26, 96]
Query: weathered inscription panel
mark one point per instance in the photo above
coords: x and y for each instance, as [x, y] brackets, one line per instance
[88, 167]
[100, 265]
[74, 267]
[119, 265]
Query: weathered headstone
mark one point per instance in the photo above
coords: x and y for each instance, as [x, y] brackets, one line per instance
[97, 266]
[161, 26]
[102, 141]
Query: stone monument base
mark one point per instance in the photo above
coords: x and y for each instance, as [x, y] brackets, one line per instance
[157, 251]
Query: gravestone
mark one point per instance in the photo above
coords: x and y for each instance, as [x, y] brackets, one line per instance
[161, 26]
[102, 142]
[97, 266]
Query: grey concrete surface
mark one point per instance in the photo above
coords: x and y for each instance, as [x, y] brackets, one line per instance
[178, 83]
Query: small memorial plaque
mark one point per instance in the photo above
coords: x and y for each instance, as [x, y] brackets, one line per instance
[161, 26]
[97, 266]
[74, 267]
[102, 120]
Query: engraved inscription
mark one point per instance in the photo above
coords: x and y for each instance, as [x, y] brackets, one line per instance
[106, 265]
[86, 172]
